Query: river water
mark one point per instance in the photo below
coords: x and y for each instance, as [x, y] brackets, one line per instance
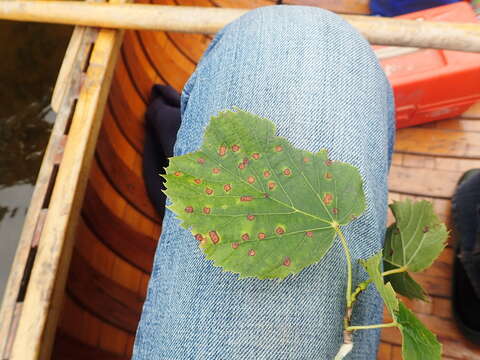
[30, 57]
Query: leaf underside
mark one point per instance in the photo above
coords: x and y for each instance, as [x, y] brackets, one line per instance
[258, 206]
[404, 284]
[419, 343]
[414, 241]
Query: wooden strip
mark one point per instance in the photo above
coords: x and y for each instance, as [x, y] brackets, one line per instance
[104, 261]
[102, 297]
[45, 291]
[339, 6]
[440, 142]
[81, 41]
[44, 179]
[66, 347]
[473, 112]
[380, 31]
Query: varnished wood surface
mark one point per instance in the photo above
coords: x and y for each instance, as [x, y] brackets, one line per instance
[119, 229]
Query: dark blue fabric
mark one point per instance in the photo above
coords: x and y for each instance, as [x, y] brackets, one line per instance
[399, 7]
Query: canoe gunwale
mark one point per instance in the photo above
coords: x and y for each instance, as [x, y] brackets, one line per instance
[38, 208]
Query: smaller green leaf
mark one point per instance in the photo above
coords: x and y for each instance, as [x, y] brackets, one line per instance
[372, 266]
[417, 237]
[419, 343]
[404, 284]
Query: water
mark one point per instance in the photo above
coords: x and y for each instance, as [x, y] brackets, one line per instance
[30, 57]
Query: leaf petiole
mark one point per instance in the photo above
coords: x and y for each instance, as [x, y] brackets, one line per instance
[361, 287]
[349, 264]
[395, 271]
[376, 326]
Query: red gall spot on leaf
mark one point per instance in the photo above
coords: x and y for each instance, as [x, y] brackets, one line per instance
[309, 233]
[201, 161]
[250, 179]
[227, 187]
[178, 173]
[251, 252]
[426, 229]
[214, 236]
[278, 148]
[327, 198]
[197, 181]
[189, 209]
[251, 217]
[335, 211]
[209, 191]
[216, 170]
[286, 261]
[222, 150]
[246, 198]
[328, 162]
[287, 172]
[272, 185]
[245, 237]
[266, 173]
[235, 245]
[241, 166]
[280, 230]
[235, 147]
[262, 236]
[206, 210]
[328, 176]
[245, 161]
[199, 237]
[306, 159]
[256, 156]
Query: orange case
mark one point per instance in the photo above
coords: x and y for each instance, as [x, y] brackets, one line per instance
[432, 84]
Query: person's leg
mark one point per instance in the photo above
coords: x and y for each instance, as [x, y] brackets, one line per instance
[318, 80]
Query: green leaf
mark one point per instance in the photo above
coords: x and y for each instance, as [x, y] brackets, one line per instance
[258, 206]
[419, 343]
[417, 237]
[404, 284]
[372, 266]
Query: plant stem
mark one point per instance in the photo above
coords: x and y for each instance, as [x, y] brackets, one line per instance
[395, 271]
[376, 326]
[349, 266]
[362, 286]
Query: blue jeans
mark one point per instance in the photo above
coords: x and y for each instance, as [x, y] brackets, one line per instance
[313, 75]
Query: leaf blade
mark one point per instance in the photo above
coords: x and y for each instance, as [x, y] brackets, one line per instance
[417, 237]
[372, 267]
[258, 206]
[419, 343]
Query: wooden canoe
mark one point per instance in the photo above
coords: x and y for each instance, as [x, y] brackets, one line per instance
[82, 267]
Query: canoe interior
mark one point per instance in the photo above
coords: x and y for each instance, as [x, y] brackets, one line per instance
[119, 229]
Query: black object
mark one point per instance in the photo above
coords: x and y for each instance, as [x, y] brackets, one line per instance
[162, 121]
[466, 268]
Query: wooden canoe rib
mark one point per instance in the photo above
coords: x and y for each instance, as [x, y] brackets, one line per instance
[111, 232]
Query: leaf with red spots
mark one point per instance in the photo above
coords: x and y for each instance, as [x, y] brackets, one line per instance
[258, 206]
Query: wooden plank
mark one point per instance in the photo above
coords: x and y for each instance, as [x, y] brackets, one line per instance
[45, 290]
[361, 7]
[37, 204]
[438, 142]
[377, 30]
[81, 36]
[69, 348]
[473, 112]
